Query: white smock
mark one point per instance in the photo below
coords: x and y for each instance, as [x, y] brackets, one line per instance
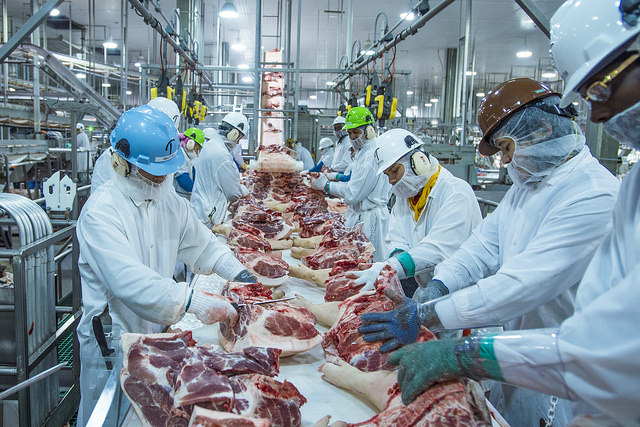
[326, 156]
[84, 151]
[342, 155]
[303, 155]
[128, 250]
[101, 170]
[236, 153]
[367, 195]
[521, 265]
[188, 168]
[449, 216]
[217, 182]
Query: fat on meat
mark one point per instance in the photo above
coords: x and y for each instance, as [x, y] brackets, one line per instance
[246, 236]
[202, 417]
[262, 264]
[338, 286]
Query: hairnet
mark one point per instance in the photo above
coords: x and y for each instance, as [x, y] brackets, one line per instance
[544, 139]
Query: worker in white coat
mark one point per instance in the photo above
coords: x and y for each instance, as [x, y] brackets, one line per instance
[434, 212]
[592, 357]
[367, 192]
[342, 154]
[326, 155]
[83, 156]
[300, 153]
[102, 168]
[217, 177]
[521, 266]
[184, 177]
[236, 153]
[130, 233]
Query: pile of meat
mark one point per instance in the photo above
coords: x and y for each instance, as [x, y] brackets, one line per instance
[166, 376]
[338, 244]
[281, 325]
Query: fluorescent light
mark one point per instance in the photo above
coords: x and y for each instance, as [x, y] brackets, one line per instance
[428, 104]
[129, 92]
[471, 73]
[549, 75]
[106, 84]
[313, 97]
[414, 107]
[576, 103]
[524, 54]
[54, 12]
[81, 75]
[367, 52]
[247, 79]
[243, 66]
[409, 92]
[408, 16]
[137, 64]
[228, 10]
[330, 83]
[238, 45]
[480, 94]
[109, 44]
[11, 89]
[433, 100]
[434, 122]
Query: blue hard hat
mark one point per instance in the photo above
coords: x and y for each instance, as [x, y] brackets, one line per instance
[147, 138]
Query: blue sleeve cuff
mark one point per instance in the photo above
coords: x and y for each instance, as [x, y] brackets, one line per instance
[317, 168]
[343, 178]
[185, 182]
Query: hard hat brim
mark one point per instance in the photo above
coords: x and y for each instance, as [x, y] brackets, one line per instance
[164, 168]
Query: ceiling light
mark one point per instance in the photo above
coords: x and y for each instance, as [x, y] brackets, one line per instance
[238, 45]
[247, 79]
[524, 54]
[367, 52]
[81, 75]
[433, 100]
[243, 66]
[129, 92]
[313, 97]
[409, 92]
[137, 64]
[11, 89]
[54, 12]
[228, 10]
[549, 75]
[106, 84]
[408, 16]
[414, 107]
[480, 94]
[109, 44]
[428, 104]
[471, 73]
[330, 83]
[576, 103]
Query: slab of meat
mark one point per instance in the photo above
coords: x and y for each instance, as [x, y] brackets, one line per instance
[273, 102]
[278, 325]
[262, 264]
[164, 375]
[269, 222]
[272, 76]
[339, 286]
[202, 417]
[319, 223]
[343, 341]
[246, 236]
[327, 257]
[339, 236]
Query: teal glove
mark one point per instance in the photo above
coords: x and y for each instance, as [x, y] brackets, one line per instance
[423, 364]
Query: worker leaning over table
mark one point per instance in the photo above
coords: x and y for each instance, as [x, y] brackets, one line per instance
[434, 212]
[521, 265]
[131, 231]
[217, 180]
[326, 155]
[367, 192]
[592, 357]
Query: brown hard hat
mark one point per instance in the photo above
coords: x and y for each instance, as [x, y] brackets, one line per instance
[503, 101]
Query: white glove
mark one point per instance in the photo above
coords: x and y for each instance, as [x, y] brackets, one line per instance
[304, 173]
[332, 176]
[319, 184]
[210, 308]
[368, 276]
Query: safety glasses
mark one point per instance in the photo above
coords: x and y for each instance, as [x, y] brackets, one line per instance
[600, 91]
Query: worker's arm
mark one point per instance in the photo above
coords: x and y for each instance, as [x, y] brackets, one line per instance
[229, 179]
[184, 181]
[317, 168]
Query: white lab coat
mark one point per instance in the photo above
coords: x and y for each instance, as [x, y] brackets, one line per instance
[303, 155]
[128, 250]
[446, 221]
[367, 195]
[326, 157]
[84, 149]
[521, 265]
[217, 183]
[188, 168]
[342, 155]
[101, 170]
[236, 153]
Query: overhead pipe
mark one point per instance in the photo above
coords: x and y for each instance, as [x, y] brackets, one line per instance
[409, 31]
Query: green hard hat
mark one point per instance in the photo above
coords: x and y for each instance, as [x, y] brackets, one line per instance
[196, 134]
[358, 116]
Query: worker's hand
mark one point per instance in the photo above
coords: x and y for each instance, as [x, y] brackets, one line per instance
[332, 176]
[367, 277]
[434, 289]
[423, 364]
[211, 308]
[319, 183]
[397, 327]
[244, 166]
[246, 277]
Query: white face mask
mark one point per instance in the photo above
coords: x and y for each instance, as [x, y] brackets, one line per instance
[138, 187]
[625, 126]
[410, 184]
[359, 142]
[190, 154]
[340, 133]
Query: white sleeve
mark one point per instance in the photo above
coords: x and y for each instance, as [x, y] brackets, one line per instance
[396, 235]
[363, 181]
[229, 178]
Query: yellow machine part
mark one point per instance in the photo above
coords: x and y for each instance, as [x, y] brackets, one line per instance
[203, 112]
[154, 92]
[170, 92]
[367, 98]
[380, 100]
[183, 107]
[394, 104]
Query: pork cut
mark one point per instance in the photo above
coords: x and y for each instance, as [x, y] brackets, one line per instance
[246, 236]
[279, 325]
[319, 223]
[269, 222]
[202, 417]
[340, 287]
[261, 263]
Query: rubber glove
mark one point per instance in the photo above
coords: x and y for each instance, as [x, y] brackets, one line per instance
[423, 364]
[332, 176]
[434, 289]
[210, 308]
[246, 277]
[401, 325]
[367, 277]
[319, 183]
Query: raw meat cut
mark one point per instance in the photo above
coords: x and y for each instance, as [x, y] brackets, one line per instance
[341, 244]
[246, 236]
[164, 375]
[270, 223]
[319, 223]
[279, 325]
[339, 286]
[202, 417]
[261, 263]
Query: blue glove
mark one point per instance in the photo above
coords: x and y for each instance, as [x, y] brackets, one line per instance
[246, 277]
[434, 289]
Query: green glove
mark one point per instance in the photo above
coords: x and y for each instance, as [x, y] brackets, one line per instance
[423, 364]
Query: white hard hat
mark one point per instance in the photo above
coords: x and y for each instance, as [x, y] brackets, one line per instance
[209, 133]
[392, 145]
[168, 107]
[79, 126]
[584, 33]
[339, 120]
[325, 143]
[238, 121]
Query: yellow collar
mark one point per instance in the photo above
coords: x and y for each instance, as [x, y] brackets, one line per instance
[418, 206]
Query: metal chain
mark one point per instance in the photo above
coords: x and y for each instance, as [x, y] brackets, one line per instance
[551, 413]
